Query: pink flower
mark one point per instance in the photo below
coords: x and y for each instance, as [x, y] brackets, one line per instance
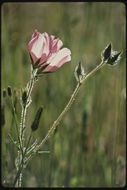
[46, 52]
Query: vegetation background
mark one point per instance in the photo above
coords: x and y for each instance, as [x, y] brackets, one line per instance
[88, 148]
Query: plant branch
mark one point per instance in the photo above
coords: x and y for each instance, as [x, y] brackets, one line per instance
[67, 107]
[22, 153]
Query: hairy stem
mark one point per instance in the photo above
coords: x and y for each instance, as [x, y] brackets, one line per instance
[55, 124]
[67, 107]
[22, 152]
[16, 123]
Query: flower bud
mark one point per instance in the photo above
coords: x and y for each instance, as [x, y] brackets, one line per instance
[4, 93]
[16, 95]
[79, 72]
[9, 91]
[24, 97]
[36, 121]
[106, 52]
[114, 59]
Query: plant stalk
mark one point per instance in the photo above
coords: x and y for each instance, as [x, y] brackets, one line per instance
[67, 107]
[22, 152]
[55, 124]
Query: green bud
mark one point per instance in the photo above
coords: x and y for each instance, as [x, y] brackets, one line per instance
[110, 56]
[16, 94]
[106, 52]
[79, 72]
[9, 91]
[36, 121]
[4, 93]
[114, 59]
[24, 97]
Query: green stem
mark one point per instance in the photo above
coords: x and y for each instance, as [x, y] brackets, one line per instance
[27, 146]
[55, 124]
[16, 124]
[17, 176]
[67, 107]
[22, 125]
[22, 153]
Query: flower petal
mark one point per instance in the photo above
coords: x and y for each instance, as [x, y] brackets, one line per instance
[59, 56]
[37, 46]
[51, 42]
[56, 45]
[35, 33]
[46, 48]
[58, 60]
[46, 43]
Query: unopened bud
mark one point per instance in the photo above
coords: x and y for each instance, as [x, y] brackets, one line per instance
[79, 72]
[24, 97]
[114, 59]
[106, 52]
[4, 93]
[9, 91]
[110, 56]
[36, 121]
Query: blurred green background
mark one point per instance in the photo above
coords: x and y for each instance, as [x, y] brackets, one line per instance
[88, 148]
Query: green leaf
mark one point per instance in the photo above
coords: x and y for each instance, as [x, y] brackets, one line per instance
[32, 147]
[43, 152]
[36, 64]
[13, 141]
[31, 59]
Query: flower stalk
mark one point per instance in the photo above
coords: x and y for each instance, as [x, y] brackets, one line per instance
[22, 155]
[67, 107]
[25, 104]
